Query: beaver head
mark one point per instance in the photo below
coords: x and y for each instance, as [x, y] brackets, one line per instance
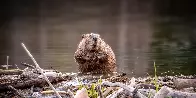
[92, 41]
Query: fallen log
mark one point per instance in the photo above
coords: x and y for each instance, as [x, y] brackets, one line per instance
[11, 72]
[38, 82]
[184, 83]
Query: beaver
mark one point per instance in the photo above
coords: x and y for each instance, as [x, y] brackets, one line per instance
[94, 56]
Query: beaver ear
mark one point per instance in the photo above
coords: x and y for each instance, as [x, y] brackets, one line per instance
[83, 35]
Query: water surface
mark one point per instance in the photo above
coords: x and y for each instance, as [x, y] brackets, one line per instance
[139, 32]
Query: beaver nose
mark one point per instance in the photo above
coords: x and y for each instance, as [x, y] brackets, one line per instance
[95, 38]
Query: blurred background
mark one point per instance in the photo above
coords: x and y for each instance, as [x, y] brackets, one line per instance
[139, 32]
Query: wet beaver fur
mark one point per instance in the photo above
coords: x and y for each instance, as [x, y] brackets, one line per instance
[93, 55]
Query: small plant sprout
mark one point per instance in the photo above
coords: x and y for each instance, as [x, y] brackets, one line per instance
[149, 95]
[156, 79]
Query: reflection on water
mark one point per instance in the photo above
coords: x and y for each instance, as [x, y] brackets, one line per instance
[173, 45]
[138, 36]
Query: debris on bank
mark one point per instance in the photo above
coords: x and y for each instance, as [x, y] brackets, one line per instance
[30, 83]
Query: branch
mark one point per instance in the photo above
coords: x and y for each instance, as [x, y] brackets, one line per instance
[41, 71]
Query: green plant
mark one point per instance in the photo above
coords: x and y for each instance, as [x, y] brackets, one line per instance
[156, 79]
[80, 84]
[100, 80]
[149, 95]
[92, 93]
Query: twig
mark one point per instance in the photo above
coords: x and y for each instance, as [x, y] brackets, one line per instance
[135, 92]
[41, 70]
[28, 65]
[16, 66]
[108, 90]
[99, 91]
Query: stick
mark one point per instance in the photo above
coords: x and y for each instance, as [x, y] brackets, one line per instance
[108, 90]
[16, 66]
[99, 91]
[38, 82]
[41, 71]
[28, 65]
[11, 72]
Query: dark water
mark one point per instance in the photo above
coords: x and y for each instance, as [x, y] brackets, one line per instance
[139, 31]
